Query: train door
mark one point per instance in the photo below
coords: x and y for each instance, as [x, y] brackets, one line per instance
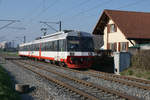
[58, 56]
[40, 45]
[62, 49]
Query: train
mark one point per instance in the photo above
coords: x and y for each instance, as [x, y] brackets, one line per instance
[74, 49]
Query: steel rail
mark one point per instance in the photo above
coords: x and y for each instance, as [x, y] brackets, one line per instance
[123, 95]
[106, 77]
[81, 93]
[123, 77]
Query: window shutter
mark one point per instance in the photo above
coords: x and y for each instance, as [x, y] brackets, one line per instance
[127, 45]
[108, 28]
[115, 27]
[119, 46]
[115, 46]
[108, 46]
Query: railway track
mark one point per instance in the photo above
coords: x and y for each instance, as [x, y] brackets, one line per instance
[121, 77]
[137, 83]
[93, 92]
[129, 81]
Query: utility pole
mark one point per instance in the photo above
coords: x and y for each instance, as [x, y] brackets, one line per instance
[13, 43]
[59, 25]
[24, 39]
[10, 22]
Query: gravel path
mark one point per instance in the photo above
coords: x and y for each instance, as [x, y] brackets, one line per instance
[41, 89]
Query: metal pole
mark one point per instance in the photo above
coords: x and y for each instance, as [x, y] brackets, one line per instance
[59, 25]
[24, 39]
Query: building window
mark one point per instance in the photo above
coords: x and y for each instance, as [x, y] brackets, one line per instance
[111, 28]
[124, 46]
[113, 46]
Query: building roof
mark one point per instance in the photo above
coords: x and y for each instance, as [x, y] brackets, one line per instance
[134, 25]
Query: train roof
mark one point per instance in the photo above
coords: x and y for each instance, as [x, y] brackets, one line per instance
[60, 35]
[69, 33]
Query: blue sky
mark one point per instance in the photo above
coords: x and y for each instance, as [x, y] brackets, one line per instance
[74, 14]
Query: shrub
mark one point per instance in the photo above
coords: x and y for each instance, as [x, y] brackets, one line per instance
[130, 72]
[141, 60]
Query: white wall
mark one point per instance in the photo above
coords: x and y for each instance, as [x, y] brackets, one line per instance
[115, 36]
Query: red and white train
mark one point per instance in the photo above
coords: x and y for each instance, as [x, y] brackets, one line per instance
[74, 49]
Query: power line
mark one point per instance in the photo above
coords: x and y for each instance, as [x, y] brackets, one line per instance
[47, 24]
[44, 10]
[34, 10]
[130, 4]
[10, 22]
[18, 28]
[92, 8]
[72, 8]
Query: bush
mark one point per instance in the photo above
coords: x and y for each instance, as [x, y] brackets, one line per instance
[141, 60]
[7, 91]
[130, 72]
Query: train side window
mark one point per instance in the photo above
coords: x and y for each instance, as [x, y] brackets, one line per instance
[52, 46]
[46, 46]
[42, 46]
[55, 46]
[25, 48]
[60, 45]
[64, 45]
[33, 47]
[36, 47]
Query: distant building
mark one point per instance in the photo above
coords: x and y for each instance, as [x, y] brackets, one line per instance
[123, 29]
[3, 45]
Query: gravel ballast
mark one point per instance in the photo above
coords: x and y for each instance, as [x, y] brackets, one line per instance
[40, 89]
[133, 91]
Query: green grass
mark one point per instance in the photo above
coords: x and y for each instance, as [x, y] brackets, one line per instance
[9, 53]
[7, 92]
[136, 72]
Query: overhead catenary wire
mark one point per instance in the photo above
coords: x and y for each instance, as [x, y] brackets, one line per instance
[34, 10]
[10, 22]
[91, 8]
[96, 6]
[107, 2]
[72, 8]
[44, 10]
[130, 4]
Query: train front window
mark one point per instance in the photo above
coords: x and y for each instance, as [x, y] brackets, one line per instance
[87, 44]
[73, 44]
[84, 44]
